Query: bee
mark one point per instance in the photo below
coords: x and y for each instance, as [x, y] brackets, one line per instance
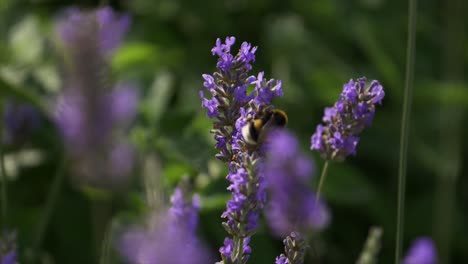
[255, 131]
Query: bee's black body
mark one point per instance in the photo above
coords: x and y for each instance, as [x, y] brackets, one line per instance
[255, 130]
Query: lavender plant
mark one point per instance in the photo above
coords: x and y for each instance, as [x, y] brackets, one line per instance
[93, 111]
[232, 107]
[292, 205]
[169, 236]
[294, 248]
[345, 121]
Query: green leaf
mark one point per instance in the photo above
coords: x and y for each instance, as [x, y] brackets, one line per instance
[26, 41]
[214, 202]
[47, 75]
[135, 54]
[159, 94]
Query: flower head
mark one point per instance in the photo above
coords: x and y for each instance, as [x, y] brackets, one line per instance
[294, 249]
[93, 111]
[346, 120]
[292, 205]
[185, 211]
[422, 251]
[170, 237]
[20, 120]
[108, 28]
[231, 107]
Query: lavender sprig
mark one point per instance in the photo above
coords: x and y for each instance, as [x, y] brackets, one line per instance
[231, 107]
[93, 111]
[294, 250]
[346, 120]
[292, 205]
[170, 236]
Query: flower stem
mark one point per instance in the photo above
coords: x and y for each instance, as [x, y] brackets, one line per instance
[322, 180]
[52, 198]
[237, 251]
[4, 191]
[405, 122]
[106, 245]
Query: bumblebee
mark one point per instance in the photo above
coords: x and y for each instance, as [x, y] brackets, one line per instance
[256, 130]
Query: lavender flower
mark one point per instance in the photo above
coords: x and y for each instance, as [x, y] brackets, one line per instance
[346, 120]
[422, 251]
[93, 112]
[292, 205]
[108, 28]
[294, 248]
[8, 249]
[20, 121]
[171, 236]
[232, 107]
[183, 212]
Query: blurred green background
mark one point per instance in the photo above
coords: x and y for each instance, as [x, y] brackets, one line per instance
[314, 47]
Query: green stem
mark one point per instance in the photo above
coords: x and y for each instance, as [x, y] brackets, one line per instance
[101, 213]
[105, 249]
[4, 191]
[322, 180]
[240, 249]
[52, 199]
[405, 122]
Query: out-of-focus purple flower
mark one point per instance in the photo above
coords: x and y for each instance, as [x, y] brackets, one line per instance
[124, 99]
[20, 121]
[8, 248]
[346, 120]
[169, 238]
[292, 206]
[231, 107]
[108, 28]
[421, 251]
[9, 258]
[93, 112]
[163, 243]
[282, 259]
[112, 27]
[184, 211]
[294, 250]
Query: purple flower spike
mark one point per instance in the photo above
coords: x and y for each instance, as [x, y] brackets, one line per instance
[422, 251]
[345, 121]
[171, 236]
[93, 111]
[232, 108]
[294, 250]
[112, 27]
[103, 25]
[292, 205]
[20, 121]
[183, 211]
